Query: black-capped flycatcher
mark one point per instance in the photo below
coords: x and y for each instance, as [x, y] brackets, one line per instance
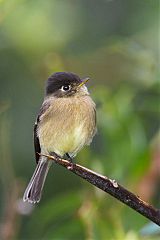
[66, 122]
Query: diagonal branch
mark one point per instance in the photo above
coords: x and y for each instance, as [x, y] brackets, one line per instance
[111, 187]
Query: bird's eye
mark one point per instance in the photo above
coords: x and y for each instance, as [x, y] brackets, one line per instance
[66, 88]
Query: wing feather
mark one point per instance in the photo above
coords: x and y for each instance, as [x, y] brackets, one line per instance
[37, 147]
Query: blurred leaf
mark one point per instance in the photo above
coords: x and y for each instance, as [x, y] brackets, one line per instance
[55, 213]
[150, 230]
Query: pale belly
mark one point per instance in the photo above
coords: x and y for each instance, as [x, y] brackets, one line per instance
[70, 141]
[67, 131]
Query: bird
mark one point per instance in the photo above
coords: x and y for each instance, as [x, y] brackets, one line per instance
[65, 124]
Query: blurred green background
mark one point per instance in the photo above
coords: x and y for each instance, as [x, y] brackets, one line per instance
[115, 43]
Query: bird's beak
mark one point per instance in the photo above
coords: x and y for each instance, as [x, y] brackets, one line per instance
[82, 83]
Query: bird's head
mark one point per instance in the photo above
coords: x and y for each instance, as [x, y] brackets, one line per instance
[66, 84]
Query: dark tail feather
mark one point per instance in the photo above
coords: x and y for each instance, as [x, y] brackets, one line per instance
[35, 186]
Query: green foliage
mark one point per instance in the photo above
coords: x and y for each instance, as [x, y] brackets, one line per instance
[58, 218]
[115, 44]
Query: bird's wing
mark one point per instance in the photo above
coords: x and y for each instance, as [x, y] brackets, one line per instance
[37, 147]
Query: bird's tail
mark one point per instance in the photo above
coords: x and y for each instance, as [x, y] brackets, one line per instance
[34, 189]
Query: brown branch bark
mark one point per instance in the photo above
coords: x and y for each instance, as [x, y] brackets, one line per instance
[113, 188]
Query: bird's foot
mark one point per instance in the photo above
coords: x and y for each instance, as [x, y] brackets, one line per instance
[56, 156]
[71, 161]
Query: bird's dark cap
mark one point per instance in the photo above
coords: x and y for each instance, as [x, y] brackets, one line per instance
[58, 79]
